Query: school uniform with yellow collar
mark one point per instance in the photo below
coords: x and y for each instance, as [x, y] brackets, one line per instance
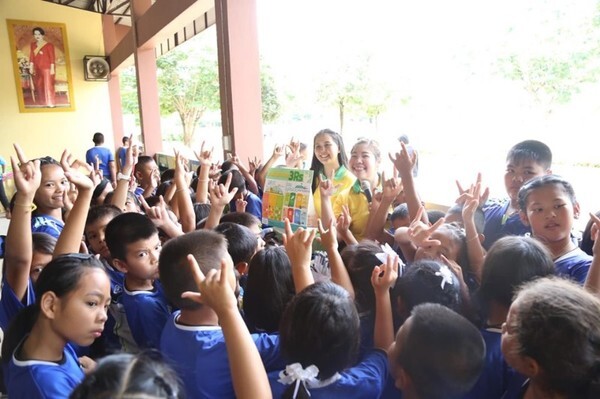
[357, 204]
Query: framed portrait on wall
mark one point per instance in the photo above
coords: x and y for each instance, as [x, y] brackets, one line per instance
[41, 64]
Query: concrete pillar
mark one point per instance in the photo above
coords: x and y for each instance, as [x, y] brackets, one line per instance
[239, 77]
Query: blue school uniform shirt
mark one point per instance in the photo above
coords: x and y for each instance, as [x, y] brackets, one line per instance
[104, 156]
[362, 381]
[35, 379]
[10, 305]
[47, 224]
[497, 376]
[574, 265]
[496, 225]
[146, 312]
[199, 356]
[117, 335]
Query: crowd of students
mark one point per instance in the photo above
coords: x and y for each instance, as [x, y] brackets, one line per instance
[176, 291]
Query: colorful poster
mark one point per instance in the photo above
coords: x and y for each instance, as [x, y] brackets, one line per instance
[287, 194]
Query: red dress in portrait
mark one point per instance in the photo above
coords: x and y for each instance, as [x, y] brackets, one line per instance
[43, 65]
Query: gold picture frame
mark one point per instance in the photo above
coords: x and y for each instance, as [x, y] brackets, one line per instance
[41, 65]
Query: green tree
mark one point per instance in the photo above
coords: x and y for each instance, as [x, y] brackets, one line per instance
[566, 59]
[271, 107]
[344, 86]
[188, 86]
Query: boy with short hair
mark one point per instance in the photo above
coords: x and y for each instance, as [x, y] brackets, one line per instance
[437, 354]
[192, 339]
[135, 247]
[147, 175]
[524, 161]
[103, 157]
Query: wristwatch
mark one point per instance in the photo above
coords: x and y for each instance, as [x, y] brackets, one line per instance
[121, 176]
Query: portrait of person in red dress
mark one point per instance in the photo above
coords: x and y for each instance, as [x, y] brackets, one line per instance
[42, 67]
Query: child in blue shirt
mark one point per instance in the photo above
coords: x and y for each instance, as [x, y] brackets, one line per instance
[49, 199]
[253, 203]
[192, 339]
[437, 354]
[524, 161]
[95, 234]
[72, 297]
[511, 261]
[548, 205]
[559, 362]
[134, 246]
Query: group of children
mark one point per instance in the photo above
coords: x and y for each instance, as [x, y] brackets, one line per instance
[175, 297]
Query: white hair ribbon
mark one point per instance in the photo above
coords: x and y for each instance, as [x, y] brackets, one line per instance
[387, 251]
[295, 374]
[446, 274]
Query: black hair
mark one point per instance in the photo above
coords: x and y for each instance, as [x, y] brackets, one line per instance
[98, 138]
[237, 180]
[243, 218]
[557, 324]
[269, 288]
[168, 174]
[48, 160]
[241, 242]
[531, 150]
[316, 166]
[42, 31]
[100, 211]
[510, 262]
[401, 211]
[543, 181]
[125, 139]
[144, 375]
[163, 187]
[433, 215]
[227, 165]
[61, 276]
[142, 160]
[441, 352]
[208, 247]
[428, 281]
[43, 243]
[125, 229]
[201, 211]
[320, 327]
[587, 243]
[360, 260]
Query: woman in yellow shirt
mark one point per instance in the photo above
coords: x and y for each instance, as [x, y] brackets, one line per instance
[329, 158]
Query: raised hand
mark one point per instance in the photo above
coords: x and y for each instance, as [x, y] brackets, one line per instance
[327, 188]
[403, 161]
[420, 233]
[204, 156]
[391, 188]
[298, 245]
[328, 238]
[71, 167]
[254, 165]
[384, 276]
[215, 289]
[474, 191]
[278, 151]
[158, 214]
[344, 221]
[220, 195]
[27, 174]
